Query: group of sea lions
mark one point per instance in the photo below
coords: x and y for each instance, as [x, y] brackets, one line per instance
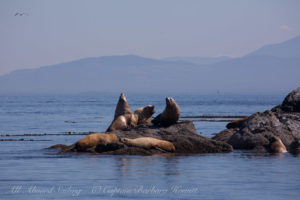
[125, 119]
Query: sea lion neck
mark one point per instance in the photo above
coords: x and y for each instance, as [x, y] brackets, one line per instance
[122, 106]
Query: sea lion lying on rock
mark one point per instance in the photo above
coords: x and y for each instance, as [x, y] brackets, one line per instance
[276, 145]
[144, 114]
[123, 122]
[170, 115]
[149, 143]
[122, 106]
[92, 140]
[236, 123]
[88, 143]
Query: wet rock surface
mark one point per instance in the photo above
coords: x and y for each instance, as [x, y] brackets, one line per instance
[183, 136]
[256, 131]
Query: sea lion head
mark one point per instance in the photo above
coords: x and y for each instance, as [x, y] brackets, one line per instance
[122, 96]
[148, 110]
[144, 114]
[172, 106]
[170, 101]
[124, 140]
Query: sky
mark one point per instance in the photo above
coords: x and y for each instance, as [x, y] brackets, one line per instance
[57, 31]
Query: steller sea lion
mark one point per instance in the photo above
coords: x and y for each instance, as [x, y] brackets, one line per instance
[170, 115]
[93, 140]
[144, 114]
[122, 106]
[149, 143]
[123, 122]
[276, 145]
[236, 123]
[123, 118]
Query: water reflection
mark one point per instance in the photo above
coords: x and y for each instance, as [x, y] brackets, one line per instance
[254, 154]
[128, 163]
[170, 166]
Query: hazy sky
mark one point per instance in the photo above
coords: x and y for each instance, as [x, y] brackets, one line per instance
[62, 30]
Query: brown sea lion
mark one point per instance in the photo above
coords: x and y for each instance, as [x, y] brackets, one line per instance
[144, 114]
[236, 123]
[123, 122]
[170, 115]
[93, 140]
[276, 145]
[122, 106]
[149, 143]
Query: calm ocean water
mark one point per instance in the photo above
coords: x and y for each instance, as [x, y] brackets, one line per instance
[28, 171]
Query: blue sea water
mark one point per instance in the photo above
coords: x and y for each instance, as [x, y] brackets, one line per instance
[29, 171]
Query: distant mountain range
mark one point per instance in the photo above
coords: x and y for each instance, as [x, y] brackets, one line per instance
[288, 49]
[271, 69]
[199, 60]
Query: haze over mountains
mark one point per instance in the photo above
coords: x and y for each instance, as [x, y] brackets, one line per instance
[270, 69]
[199, 60]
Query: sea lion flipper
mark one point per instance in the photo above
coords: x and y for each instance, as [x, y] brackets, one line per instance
[157, 148]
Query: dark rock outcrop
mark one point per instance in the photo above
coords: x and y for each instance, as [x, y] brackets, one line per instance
[291, 103]
[256, 131]
[183, 136]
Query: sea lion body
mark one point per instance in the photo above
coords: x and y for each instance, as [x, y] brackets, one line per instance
[149, 143]
[144, 114]
[123, 122]
[236, 123]
[170, 115]
[93, 140]
[276, 145]
[122, 107]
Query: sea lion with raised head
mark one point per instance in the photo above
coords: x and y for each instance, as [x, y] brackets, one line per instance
[123, 122]
[144, 114]
[149, 143]
[124, 118]
[93, 140]
[170, 115]
[122, 106]
[276, 145]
